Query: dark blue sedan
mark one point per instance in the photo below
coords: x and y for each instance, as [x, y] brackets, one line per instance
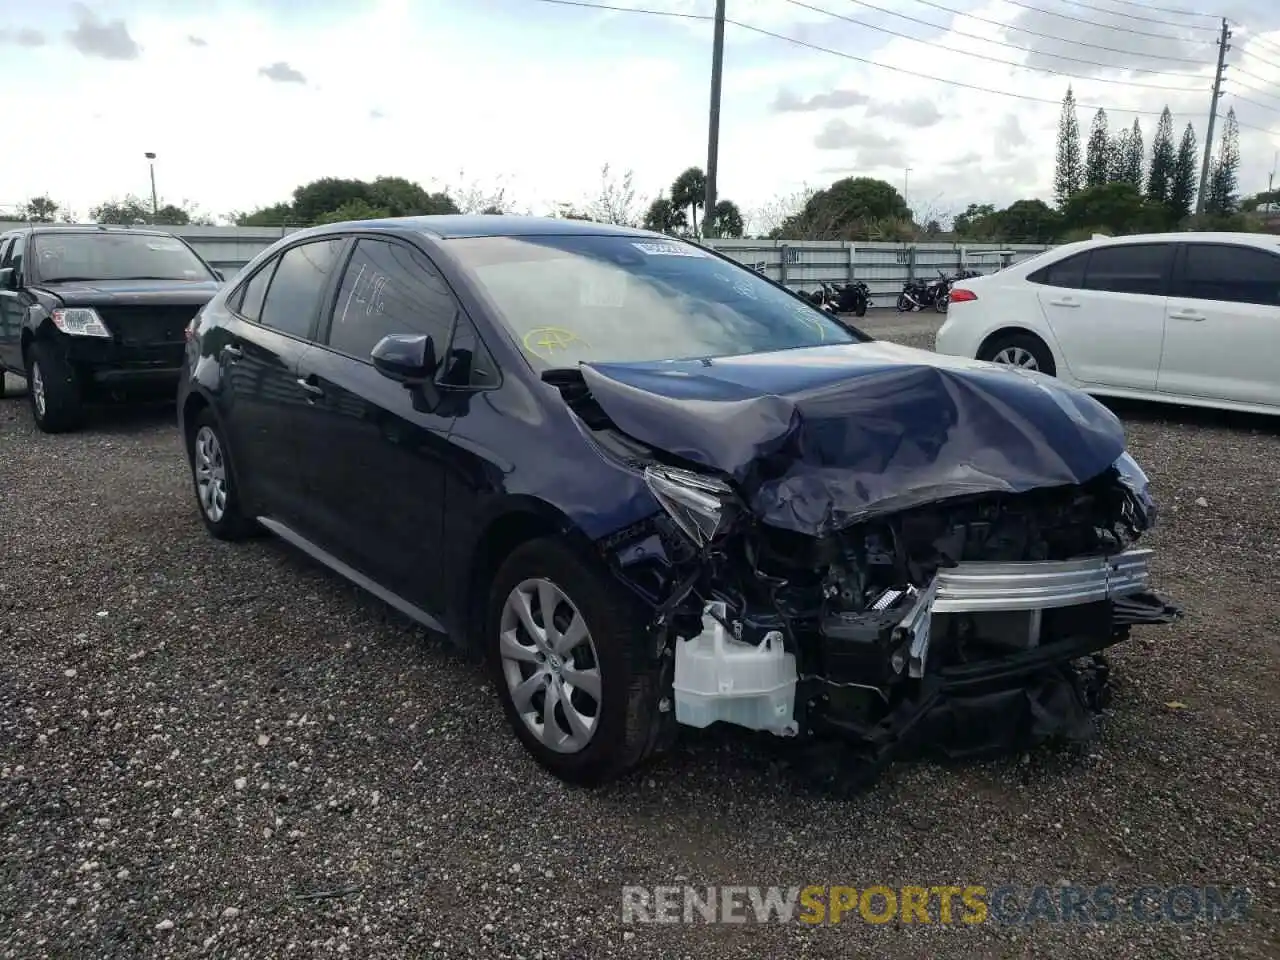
[652, 488]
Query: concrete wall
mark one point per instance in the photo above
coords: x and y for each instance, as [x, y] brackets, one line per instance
[800, 264]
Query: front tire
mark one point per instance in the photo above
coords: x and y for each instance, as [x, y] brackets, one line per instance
[573, 664]
[1024, 350]
[941, 303]
[904, 304]
[217, 495]
[53, 390]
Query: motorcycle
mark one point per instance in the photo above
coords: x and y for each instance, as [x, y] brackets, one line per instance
[921, 294]
[853, 298]
[824, 298]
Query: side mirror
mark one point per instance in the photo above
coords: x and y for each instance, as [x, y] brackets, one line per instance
[406, 358]
[8, 279]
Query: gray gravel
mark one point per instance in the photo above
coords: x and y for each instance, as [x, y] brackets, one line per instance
[199, 740]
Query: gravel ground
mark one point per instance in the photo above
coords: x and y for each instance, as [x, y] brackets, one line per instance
[218, 750]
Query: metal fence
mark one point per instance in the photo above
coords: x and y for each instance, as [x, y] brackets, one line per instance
[800, 264]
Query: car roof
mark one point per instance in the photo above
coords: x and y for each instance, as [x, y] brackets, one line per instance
[1189, 236]
[457, 226]
[36, 228]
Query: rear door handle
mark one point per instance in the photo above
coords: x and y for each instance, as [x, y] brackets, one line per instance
[310, 386]
[1187, 315]
[232, 353]
[1064, 302]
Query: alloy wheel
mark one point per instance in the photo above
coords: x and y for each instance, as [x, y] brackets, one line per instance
[1017, 357]
[211, 474]
[550, 665]
[37, 388]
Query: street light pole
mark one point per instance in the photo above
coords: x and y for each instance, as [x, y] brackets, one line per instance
[155, 206]
[713, 133]
[906, 188]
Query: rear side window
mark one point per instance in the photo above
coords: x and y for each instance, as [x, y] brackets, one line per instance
[4, 250]
[1132, 268]
[13, 256]
[390, 288]
[1233, 274]
[299, 279]
[1064, 273]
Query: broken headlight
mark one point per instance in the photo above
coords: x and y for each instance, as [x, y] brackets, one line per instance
[1135, 481]
[700, 505]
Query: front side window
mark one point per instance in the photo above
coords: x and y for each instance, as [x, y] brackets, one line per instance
[104, 255]
[567, 299]
[389, 288]
[301, 276]
[247, 301]
[13, 256]
[1230, 273]
[1131, 268]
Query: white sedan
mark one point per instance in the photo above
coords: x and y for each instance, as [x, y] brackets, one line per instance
[1190, 318]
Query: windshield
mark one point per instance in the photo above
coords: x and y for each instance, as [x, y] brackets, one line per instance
[114, 256]
[597, 298]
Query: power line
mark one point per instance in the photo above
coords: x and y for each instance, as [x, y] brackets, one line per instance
[1012, 46]
[1242, 97]
[1134, 16]
[1139, 33]
[1265, 45]
[794, 41]
[1147, 6]
[990, 59]
[1049, 36]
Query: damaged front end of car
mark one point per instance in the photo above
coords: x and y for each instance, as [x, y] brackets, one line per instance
[830, 587]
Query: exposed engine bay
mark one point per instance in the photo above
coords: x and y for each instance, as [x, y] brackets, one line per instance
[882, 553]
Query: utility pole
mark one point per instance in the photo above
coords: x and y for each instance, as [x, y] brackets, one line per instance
[1223, 47]
[155, 206]
[713, 134]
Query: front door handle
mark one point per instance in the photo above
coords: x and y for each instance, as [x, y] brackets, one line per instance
[1187, 315]
[310, 386]
[1064, 302]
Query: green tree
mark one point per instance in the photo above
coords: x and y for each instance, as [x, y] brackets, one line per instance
[404, 198]
[1163, 159]
[276, 215]
[127, 212]
[965, 223]
[1069, 172]
[664, 216]
[354, 210]
[1029, 220]
[1182, 187]
[1116, 207]
[689, 192]
[1117, 156]
[851, 209]
[1097, 151]
[1135, 154]
[313, 200]
[39, 210]
[726, 220]
[1224, 187]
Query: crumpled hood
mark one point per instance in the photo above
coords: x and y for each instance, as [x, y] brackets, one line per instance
[819, 438]
[133, 293]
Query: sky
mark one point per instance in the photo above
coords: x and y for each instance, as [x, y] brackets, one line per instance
[242, 100]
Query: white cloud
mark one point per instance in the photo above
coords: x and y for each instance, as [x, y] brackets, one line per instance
[539, 105]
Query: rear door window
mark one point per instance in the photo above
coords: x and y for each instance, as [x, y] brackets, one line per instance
[247, 301]
[1236, 274]
[300, 278]
[1130, 268]
[1065, 273]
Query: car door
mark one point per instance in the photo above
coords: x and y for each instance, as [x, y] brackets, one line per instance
[373, 453]
[1223, 324]
[12, 304]
[1106, 308]
[261, 402]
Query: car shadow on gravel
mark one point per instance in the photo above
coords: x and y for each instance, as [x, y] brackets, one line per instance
[1144, 411]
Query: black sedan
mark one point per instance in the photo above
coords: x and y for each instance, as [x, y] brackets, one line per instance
[91, 313]
[653, 488]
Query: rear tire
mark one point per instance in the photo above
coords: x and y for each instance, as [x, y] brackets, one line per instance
[615, 665]
[217, 496]
[53, 389]
[1024, 350]
[942, 302]
[860, 310]
[904, 304]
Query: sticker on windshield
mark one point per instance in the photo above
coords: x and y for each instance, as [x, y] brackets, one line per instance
[662, 249]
